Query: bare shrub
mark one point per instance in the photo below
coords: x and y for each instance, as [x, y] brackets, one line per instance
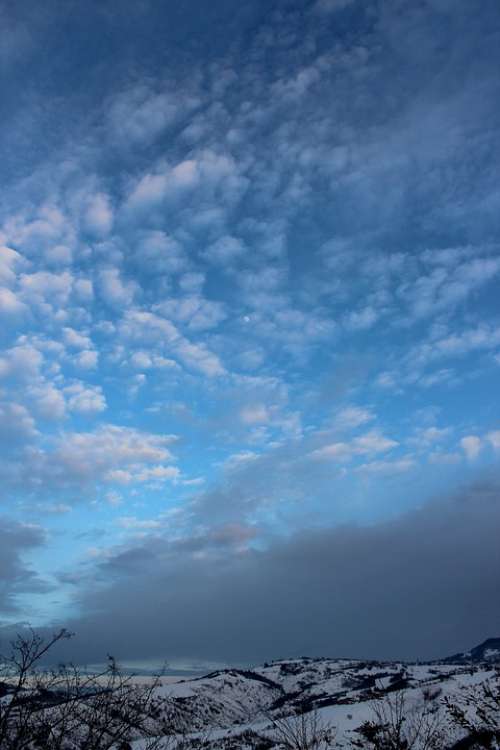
[304, 731]
[401, 726]
[430, 694]
[66, 709]
[478, 715]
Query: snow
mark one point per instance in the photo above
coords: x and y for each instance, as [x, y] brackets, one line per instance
[223, 706]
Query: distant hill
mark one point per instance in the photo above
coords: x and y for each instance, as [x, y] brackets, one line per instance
[487, 652]
[237, 709]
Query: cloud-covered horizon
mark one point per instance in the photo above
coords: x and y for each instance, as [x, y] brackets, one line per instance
[249, 261]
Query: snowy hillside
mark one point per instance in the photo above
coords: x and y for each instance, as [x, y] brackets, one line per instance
[244, 708]
[488, 651]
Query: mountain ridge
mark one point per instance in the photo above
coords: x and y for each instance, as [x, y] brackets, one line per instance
[487, 652]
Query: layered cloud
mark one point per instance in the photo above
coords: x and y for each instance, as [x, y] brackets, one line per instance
[426, 582]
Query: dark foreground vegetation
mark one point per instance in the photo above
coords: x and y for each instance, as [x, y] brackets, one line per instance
[67, 709]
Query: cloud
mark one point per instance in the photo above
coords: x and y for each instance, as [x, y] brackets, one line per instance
[426, 582]
[85, 399]
[235, 460]
[443, 458]
[18, 540]
[387, 468]
[149, 191]
[114, 291]
[192, 281]
[59, 255]
[56, 509]
[284, 191]
[35, 229]
[434, 434]
[361, 320]
[113, 498]
[89, 454]
[254, 414]
[444, 288]
[98, 217]
[369, 443]
[46, 288]
[484, 336]
[352, 416]
[77, 463]
[158, 473]
[83, 289]
[48, 401]
[149, 474]
[494, 439]
[193, 312]
[471, 446]
[225, 251]
[198, 357]
[22, 361]
[142, 325]
[145, 361]
[9, 261]
[131, 522]
[86, 360]
[10, 304]
[16, 425]
[332, 6]
[159, 253]
[425, 437]
[76, 339]
[207, 174]
[139, 115]
[168, 183]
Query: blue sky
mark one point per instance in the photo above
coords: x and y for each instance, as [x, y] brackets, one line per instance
[249, 268]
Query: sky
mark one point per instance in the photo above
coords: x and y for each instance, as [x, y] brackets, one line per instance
[250, 327]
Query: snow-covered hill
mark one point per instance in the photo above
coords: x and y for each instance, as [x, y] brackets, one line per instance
[487, 652]
[242, 708]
